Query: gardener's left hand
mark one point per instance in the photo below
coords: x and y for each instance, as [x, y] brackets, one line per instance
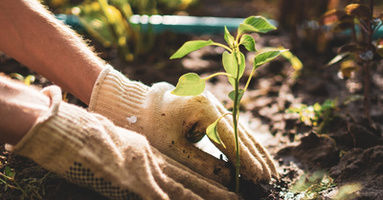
[171, 122]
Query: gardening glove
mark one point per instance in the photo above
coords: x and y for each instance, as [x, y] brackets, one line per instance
[170, 122]
[88, 149]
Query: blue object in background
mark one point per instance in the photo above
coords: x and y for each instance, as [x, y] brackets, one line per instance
[182, 24]
[72, 21]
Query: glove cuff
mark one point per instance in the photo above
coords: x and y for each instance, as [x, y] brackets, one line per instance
[114, 94]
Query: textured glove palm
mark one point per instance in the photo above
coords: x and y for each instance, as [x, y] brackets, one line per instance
[168, 121]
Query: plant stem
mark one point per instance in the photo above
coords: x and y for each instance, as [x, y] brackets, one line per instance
[217, 74]
[235, 124]
[222, 45]
[249, 79]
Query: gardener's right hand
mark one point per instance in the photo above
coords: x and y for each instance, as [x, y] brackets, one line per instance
[170, 122]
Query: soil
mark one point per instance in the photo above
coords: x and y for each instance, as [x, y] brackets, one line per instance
[347, 150]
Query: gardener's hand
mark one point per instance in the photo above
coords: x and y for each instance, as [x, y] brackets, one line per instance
[170, 122]
[88, 149]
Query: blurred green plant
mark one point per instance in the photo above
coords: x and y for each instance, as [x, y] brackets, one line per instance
[27, 80]
[315, 115]
[107, 21]
[310, 186]
[7, 178]
[357, 17]
[318, 185]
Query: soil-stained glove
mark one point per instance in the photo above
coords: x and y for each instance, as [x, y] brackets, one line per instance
[88, 149]
[169, 121]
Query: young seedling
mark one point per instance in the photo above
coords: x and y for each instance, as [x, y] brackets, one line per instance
[233, 60]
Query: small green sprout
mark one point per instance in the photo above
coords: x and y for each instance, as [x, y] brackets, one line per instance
[313, 115]
[234, 64]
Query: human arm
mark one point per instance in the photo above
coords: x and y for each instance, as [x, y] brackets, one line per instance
[31, 35]
[89, 150]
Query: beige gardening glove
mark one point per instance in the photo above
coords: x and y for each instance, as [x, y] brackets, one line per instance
[89, 150]
[168, 121]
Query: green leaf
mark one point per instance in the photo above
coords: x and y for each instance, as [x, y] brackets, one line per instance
[242, 64]
[248, 42]
[189, 84]
[212, 133]
[229, 38]
[189, 47]
[230, 64]
[257, 24]
[266, 56]
[9, 172]
[240, 95]
[294, 61]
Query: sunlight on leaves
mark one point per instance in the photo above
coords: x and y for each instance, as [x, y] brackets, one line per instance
[190, 46]
[256, 24]
[266, 56]
[189, 84]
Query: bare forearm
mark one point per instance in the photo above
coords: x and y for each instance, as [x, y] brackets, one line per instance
[31, 35]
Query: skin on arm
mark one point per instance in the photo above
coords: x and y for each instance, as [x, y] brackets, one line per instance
[20, 106]
[31, 34]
